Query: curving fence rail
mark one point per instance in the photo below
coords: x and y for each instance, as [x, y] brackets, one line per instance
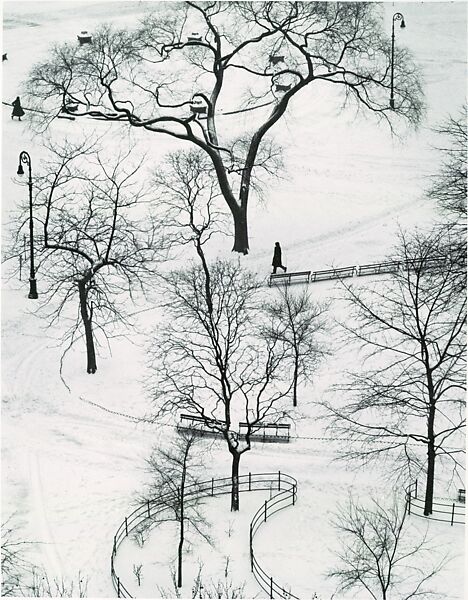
[448, 512]
[283, 488]
[285, 496]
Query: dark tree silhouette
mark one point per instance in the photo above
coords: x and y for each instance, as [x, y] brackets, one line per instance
[176, 487]
[174, 73]
[415, 392]
[100, 243]
[378, 553]
[296, 321]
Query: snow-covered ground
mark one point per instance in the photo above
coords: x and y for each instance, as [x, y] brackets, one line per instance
[71, 471]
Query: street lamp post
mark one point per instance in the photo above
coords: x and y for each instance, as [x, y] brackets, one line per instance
[396, 17]
[26, 159]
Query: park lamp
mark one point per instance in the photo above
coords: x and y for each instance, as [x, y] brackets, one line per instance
[25, 158]
[396, 17]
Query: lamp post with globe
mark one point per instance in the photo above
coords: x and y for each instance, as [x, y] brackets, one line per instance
[396, 17]
[24, 158]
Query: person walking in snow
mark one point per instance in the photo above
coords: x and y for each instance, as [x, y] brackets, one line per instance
[277, 260]
[17, 109]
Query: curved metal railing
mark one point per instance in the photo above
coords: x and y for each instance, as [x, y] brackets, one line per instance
[285, 487]
[286, 496]
[448, 512]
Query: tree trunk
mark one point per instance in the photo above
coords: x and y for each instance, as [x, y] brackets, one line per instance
[295, 377]
[241, 235]
[429, 497]
[87, 322]
[235, 480]
[181, 546]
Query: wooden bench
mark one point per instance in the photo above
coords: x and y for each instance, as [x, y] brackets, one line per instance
[288, 278]
[333, 274]
[199, 425]
[377, 268]
[267, 432]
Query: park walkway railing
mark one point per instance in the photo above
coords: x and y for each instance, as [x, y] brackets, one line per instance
[448, 512]
[283, 490]
[380, 268]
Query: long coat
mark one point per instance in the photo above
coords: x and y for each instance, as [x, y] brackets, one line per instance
[277, 260]
[17, 108]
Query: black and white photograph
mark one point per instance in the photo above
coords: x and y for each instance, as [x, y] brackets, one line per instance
[233, 299]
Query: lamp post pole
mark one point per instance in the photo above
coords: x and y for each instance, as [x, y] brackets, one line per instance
[26, 159]
[396, 17]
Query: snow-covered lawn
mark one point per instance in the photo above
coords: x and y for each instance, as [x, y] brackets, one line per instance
[71, 470]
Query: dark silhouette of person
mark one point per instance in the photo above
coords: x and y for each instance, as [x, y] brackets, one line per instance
[17, 109]
[277, 260]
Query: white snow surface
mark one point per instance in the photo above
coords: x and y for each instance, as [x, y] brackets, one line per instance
[71, 471]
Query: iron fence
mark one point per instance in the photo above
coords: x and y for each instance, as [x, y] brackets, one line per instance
[285, 495]
[447, 512]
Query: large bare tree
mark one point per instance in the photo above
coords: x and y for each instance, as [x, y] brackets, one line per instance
[413, 334]
[100, 242]
[191, 67]
[209, 360]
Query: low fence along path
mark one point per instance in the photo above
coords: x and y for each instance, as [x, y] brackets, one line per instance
[283, 489]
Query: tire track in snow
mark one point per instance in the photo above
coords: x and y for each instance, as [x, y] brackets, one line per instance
[53, 562]
[23, 371]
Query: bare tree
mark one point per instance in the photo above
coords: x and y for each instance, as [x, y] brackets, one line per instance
[100, 241]
[449, 184]
[413, 328]
[176, 488]
[209, 360]
[172, 74]
[296, 322]
[379, 556]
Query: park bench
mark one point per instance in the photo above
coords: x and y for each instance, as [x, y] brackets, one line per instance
[267, 432]
[377, 268]
[461, 496]
[288, 278]
[84, 38]
[333, 273]
[199, 425]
